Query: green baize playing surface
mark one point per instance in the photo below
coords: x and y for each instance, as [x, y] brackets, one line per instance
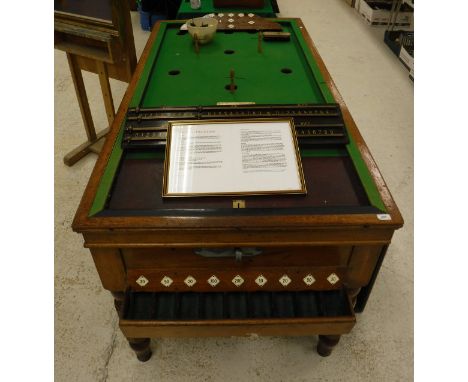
[181, 77]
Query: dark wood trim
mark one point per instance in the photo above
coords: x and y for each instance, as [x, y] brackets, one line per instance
[235, 237]
[82, 222]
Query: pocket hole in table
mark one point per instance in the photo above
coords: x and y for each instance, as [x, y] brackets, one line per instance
[228, 87]
[286, 71]
[174, 72]
[228, 51]
[181, 33]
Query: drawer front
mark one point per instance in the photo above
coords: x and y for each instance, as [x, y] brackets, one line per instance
[236, 269]
[174, 258]
[240, 278]
[236, 314]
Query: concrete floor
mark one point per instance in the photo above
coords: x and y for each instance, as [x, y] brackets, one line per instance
[88, 344]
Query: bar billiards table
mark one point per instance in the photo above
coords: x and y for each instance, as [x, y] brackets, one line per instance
[202, 266]
[270, 9]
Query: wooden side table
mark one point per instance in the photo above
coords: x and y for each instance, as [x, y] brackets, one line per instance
[97, 37]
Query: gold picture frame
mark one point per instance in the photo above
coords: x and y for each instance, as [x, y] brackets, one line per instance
[172, 177]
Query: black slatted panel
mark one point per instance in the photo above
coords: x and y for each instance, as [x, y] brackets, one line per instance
[260, 305]
[306, 304]
[142, 306]
[236, 305]
[332, 303]
[190, 306]
[214, 306]
[167, 306]
[283, 305]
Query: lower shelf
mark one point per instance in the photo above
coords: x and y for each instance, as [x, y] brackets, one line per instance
[235, 314]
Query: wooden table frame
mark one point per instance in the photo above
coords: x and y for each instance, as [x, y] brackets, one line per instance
[109, 237]
[104, 47]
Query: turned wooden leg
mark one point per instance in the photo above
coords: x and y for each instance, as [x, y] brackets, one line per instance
[118, 301]
[141, 347]
[353, 293]
[326, 344]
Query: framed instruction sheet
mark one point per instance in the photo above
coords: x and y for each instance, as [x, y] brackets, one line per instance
[236, 157]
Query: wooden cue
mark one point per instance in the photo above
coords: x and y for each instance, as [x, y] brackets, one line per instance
[195, 40]
[232, 86]
[259, 47]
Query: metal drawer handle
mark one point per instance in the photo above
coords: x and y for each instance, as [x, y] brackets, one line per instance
[238, 253]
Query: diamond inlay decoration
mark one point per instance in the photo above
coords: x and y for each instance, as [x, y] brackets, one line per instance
[285, 280]
[309, 280]
[333, 278]
[213, 281]
[166, 281]
[261, 280]
[142, 281]
[238, 281]
[190, 281]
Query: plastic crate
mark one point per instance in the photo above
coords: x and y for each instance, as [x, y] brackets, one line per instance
[394, 40]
